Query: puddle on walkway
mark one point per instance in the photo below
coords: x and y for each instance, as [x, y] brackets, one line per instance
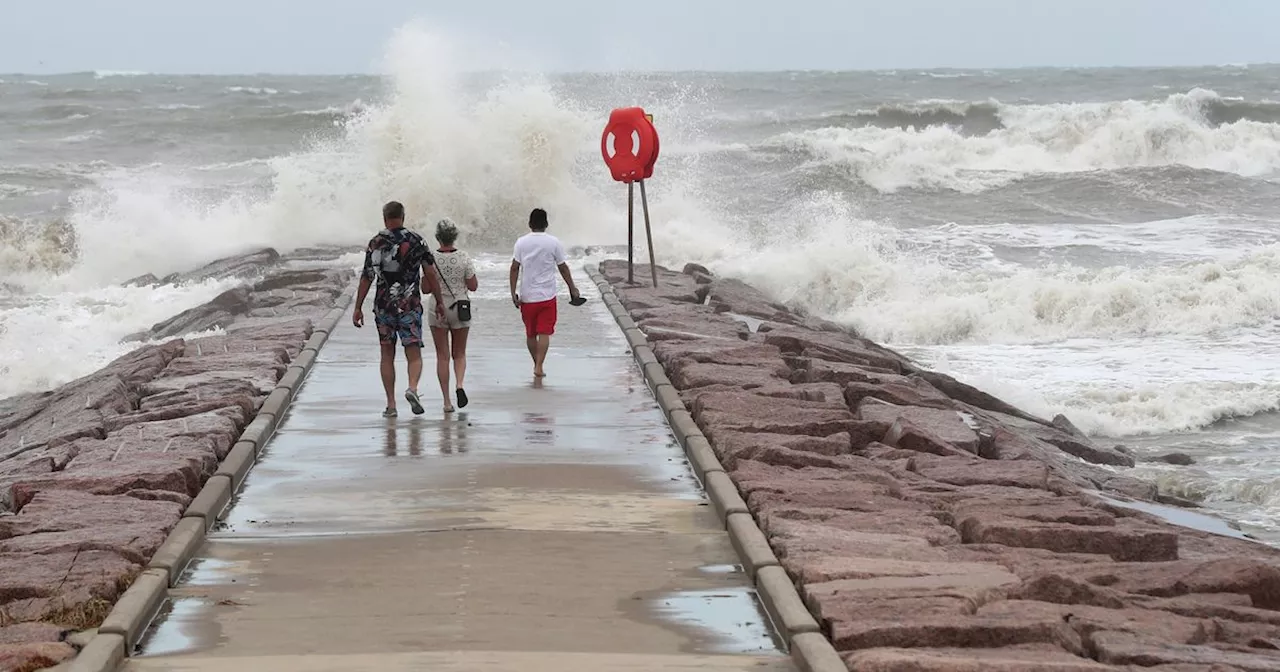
[204, 571]
[174, 629]
[720, 569]
[732, 619]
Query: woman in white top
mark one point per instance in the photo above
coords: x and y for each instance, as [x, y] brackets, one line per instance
[457, 281]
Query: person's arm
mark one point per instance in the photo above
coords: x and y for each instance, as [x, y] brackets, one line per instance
[515, 275]
[366, 281]
[363, 291]
[568, 279]
[433, 283]
[473, 282]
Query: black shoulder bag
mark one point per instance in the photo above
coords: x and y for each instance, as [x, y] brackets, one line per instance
[463, 306]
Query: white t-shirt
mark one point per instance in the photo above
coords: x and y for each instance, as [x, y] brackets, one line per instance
[539, 254]
[454, 269]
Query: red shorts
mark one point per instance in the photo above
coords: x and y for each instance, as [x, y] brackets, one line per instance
[539, 318]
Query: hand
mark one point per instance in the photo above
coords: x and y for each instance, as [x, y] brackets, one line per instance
[440, 309]
[574, 294]
[357, 318]
[515, 300]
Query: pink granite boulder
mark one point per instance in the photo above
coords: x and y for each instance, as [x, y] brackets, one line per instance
[34, 656]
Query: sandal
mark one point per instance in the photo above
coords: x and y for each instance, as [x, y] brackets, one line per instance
[414, 402]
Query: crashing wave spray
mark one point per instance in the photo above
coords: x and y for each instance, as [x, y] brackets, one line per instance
[484, 158]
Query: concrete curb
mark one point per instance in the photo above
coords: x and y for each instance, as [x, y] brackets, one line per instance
[212, 500]
[184, 540]
[293, 376]
[668, 398]
[750, 543]
[316, 341]
[810, 650]
[657, 377]
[683, 426]
[780, 599]
[238, 462]
[275, 405]
[304, 361]
[724, 496]
[330, 321]
[102, 654]
[134, 611]
[635, 337]
[701, 456]
[259, 431]
[644, 355]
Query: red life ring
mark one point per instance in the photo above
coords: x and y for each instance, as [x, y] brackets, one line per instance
[635, 145]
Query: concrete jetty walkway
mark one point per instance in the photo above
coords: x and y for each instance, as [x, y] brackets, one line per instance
[544, 527]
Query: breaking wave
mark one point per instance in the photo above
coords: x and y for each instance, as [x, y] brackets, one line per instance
[484, 159]
[971, 147]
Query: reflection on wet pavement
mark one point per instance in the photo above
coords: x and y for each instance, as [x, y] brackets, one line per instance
[734, 615]
[550, 515]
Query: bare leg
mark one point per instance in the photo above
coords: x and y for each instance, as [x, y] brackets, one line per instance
[540, 354]
[388, 366]
[441, 339]
[460, 355]
[459, 352]
[414, 355]
[532, 342]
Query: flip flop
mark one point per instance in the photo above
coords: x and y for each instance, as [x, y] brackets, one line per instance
[578, 301]
[462, 398]
[414, 402]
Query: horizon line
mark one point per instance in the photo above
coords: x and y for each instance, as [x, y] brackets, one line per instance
[111, 72]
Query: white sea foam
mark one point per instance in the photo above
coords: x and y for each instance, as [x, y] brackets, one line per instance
[1127, 386]
[1057, 138]
[1122, 350]
[485, 158]
[103, 74]
[1189, 238]
[54, 338]
[255, 90]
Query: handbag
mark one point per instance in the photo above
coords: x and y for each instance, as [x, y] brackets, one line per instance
[463, 306]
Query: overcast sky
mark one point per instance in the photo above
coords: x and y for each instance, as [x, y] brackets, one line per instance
[340, 36]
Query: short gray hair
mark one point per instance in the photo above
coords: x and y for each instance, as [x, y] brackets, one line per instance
[446, 231]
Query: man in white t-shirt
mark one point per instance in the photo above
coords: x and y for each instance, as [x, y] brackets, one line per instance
[537, 257]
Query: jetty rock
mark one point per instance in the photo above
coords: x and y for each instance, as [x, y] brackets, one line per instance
[932, 527]
[95, 473]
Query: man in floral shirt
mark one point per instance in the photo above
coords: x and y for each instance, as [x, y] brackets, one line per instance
[401, 263]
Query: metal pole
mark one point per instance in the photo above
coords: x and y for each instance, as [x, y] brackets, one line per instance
[631, 224]
[648, 233]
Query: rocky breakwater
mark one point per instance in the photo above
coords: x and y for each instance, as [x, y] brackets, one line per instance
[95, 474]
[930, 527]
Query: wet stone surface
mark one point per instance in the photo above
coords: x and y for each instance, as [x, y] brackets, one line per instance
[933, 527]
[95, 473]
[553, 515]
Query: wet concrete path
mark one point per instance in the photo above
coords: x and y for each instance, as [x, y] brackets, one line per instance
[544, 527]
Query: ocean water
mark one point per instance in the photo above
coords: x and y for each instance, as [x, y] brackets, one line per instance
[1102, 243]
